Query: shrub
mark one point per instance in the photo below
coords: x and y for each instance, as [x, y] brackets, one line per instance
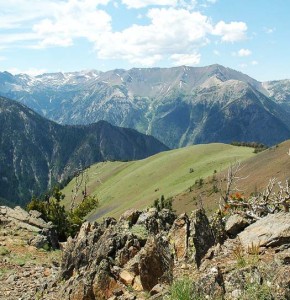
[199, 182]
[66, 223]
[163, 203]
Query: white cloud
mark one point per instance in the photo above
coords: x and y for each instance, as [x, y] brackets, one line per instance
[207, 3]
[244, 52]
[189, 4]
[254, 62]
[11, 40]
[14, 13]
[2, 58]
[160, 39]
[53, 22]
[175, 33]
[75, 19]
[231, 32]
[144, 3]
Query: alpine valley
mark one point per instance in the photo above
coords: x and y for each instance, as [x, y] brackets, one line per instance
[180, 106]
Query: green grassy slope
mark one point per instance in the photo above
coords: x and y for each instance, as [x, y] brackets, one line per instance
[123, 185]
[255, 174]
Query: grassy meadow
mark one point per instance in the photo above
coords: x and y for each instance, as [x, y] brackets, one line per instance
[136, 184]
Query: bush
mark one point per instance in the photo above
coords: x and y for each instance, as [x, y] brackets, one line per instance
[66, 223]
[199, 182]
[163, 203]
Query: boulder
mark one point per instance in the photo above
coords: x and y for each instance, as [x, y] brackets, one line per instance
[39, 241]
[80, 251]
[201, 238]
[178, 236]
[272, 230]
[35, 214]
[18, 214]
[156, 262]
[156, 221]
[130, 249]
[137, 285]
[149, 220]
[30, 221]
[159, 289]
[104, 284]
[217, 225]
[130, 217]
[283, 257]
[235, 224]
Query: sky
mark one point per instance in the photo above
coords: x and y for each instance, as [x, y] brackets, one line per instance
[41, 36]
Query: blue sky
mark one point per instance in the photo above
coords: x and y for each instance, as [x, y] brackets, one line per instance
[252, 36]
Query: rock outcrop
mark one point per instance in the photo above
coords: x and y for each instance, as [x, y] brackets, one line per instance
[272, 230]
[136, 253]
[146, 252]
[45, 235]
[28, 266]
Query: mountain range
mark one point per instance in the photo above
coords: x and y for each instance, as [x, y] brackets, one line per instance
[36, 153]
[179, 106]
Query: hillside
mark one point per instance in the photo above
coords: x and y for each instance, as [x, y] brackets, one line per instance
[256, 172]
[123, 185]
[180, 106]
[36, 153]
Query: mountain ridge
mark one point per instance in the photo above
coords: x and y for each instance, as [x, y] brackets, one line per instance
[172, 104]
[36, 153]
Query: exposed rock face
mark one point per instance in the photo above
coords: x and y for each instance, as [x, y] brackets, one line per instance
[141, 255]
[19, 218]
[155, 262]
[272, 230]
[211, 283]
[180, 105]
[113, 255]
[178, 236]
[27, 270]
[201, 237]
[138, 251]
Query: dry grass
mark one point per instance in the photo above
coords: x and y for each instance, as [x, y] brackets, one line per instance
[256, 171]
